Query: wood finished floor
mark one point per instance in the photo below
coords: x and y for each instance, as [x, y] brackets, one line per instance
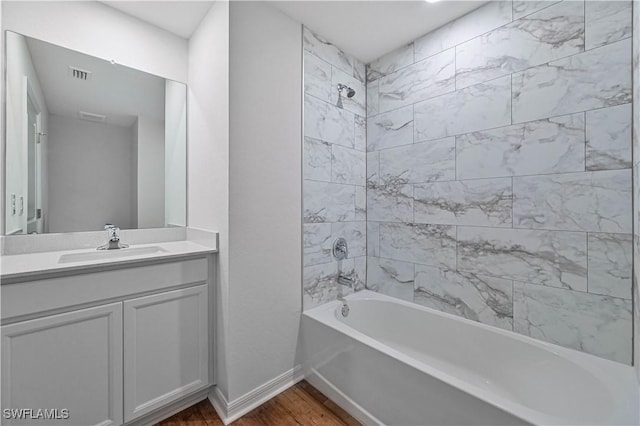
[301, 404]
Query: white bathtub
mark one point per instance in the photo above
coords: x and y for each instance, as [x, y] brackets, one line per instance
[396, 363]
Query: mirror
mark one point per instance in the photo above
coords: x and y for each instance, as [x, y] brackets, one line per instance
[90, 142]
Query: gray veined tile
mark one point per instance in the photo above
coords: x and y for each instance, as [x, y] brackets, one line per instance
[431, 245]
[360, 273]
[483, 202]
[360, 71]
[390, 62]
[522, 8]
[329, 52]
[552, 33]
[356, 235]
[361, 203]
[360, 133]
[316, 243]
[487, 17]
[328, 202]
[319, 282]
[421, 162]
[390, 129]
[317, 77]
[356, 104]
[483, 106]
[348, 166]
[317, 160]
[609, 138]
[607, 22]
[390, 277]
[552, 258]
[553, 145]
[373, 106]
[591, 323]
[610, 263]
[328, 123]
[484, 299]
[594, 79]
[373, 239]
[426, 79]
[373, 168]
[390, 202]
[589, 201]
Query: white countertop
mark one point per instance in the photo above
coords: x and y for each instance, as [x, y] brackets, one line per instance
[22, 267]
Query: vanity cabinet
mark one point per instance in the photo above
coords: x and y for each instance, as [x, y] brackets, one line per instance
[165, 349]
[69, 361]
[141, 347]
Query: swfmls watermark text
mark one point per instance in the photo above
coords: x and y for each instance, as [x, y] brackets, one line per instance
[35, 413]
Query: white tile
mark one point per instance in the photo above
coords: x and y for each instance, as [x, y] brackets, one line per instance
[484, 299]
[426, 79]
[609, 138]
[328, 202]
[552, 258]
[552, 33]
[348, 166]
[522, 8]
[483, 106]
[390, 277]
[590, 201]
[373, 96]
[421, 162]
[607, 22]
[610, 263]
[594, 79]
[390, 62]
[591, 323]
[317, 160]
[483, 202]
[316, 239]
[552, 145]
[317, 77]
[390, 129]
[328, 123]
[485, 18]
[431, 245]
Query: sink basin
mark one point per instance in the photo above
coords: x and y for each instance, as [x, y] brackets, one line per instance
[110, 254]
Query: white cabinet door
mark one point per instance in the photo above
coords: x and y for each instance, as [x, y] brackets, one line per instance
[166, 348]
[71, 361]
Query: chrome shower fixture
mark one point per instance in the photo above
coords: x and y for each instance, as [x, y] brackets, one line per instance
[341, 88]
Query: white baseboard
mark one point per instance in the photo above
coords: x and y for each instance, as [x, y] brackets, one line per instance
[231, 411]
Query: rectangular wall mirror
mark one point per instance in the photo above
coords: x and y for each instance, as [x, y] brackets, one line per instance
[90, 142]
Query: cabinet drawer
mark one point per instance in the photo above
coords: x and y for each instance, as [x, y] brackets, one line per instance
[31, 298]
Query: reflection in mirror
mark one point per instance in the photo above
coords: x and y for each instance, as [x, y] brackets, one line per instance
[90, 142]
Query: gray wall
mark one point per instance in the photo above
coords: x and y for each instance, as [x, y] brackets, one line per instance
[334, 169]
[90, 175]
[499, 172]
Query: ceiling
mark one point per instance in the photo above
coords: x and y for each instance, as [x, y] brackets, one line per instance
[365, 29]
[120, 93]
[369, 29]
[179, 17]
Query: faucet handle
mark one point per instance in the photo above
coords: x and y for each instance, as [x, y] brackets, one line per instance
[113, 231]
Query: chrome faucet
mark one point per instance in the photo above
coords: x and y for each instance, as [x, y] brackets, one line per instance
[113, 243]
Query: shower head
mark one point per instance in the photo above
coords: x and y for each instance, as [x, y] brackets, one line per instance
[350, 91]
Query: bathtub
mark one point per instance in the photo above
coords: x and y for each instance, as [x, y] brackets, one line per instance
[396, 363]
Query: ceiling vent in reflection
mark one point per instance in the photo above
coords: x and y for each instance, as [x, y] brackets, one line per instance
[89, 116]
[79, 74]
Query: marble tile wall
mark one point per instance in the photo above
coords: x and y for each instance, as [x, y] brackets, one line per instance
[636, 187]
[334, 170]
[499, 171]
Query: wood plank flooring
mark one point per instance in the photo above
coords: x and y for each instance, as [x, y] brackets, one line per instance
[301, 404]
